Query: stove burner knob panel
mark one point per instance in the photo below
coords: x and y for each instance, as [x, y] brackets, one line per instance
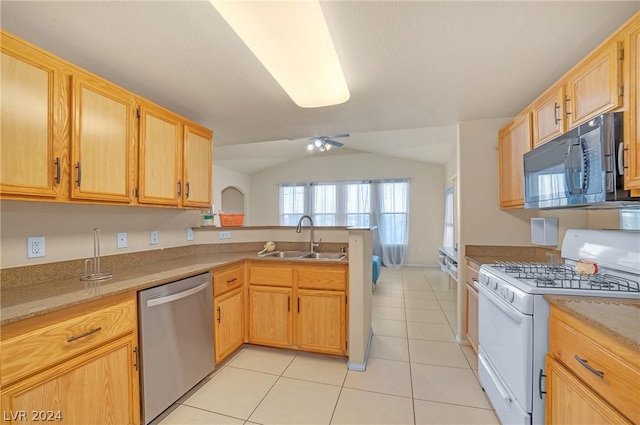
[484, 278]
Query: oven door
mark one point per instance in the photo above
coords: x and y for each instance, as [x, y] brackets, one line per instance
[506, 340]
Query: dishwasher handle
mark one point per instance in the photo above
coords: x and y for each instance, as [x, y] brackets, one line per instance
[179, 295]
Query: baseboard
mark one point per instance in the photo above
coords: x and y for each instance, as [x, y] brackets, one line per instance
[361, 367]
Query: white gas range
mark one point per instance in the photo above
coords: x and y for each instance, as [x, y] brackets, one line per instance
[513, 314]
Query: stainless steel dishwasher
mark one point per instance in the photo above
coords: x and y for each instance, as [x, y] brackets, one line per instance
[176, 341]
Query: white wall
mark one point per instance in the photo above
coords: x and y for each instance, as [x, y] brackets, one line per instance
[426, 182]
[68, 229]
[224, 177]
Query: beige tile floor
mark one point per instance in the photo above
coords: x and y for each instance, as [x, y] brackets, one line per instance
[416, 373]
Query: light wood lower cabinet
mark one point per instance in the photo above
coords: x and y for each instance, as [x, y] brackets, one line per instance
[322, 321]
[569, 401]
[299, 305]
[95, 388]
[73, 366]
[228, 326]
[592, 376]
[270, 316]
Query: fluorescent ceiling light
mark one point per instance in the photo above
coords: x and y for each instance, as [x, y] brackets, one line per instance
[292, 41]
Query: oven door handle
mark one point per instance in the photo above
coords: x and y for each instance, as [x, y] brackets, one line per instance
[509, 311]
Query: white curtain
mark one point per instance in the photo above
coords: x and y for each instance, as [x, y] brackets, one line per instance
[390, 213]
[449, 225]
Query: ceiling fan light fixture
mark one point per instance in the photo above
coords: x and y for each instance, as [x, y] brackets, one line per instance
[317, 143]
[292, 41]
[310, 147]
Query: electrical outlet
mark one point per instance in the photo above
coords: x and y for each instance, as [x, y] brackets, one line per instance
[35, 247]
[122, 240]
[189, 234]
[225, 235]
[154, 237]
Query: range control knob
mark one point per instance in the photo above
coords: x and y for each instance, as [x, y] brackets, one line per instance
[494, 284]
[511, 296]
[484, 278]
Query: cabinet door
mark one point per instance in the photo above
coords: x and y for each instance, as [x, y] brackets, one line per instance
[593, 88]
[197, 167]
[514, 141]
[321, 321]
[472, 317]
[270, 316]
[570, 401]
[103, 140]
[160, 161]
[30, 155]
[228, 323]
[548, 116]
[632, 143]
[100, 387]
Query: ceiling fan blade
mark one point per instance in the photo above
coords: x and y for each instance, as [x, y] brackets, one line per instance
[334, 143]
[339, 135]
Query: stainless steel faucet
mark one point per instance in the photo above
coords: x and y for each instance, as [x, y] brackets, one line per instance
[299, 229]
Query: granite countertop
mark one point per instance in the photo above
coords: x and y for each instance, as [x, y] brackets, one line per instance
[26, 301]
[618, 317]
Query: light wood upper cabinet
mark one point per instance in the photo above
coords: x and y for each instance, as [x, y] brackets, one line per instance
[33, 117]
[632, 119]
[102, 141]
[198, 149]
[514, 140]
[159, 158]
[548, 116]
[594, 86]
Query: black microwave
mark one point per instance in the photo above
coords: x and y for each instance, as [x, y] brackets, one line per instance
[581, 168]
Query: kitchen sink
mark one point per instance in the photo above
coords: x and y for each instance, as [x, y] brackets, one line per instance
[287, 254]
[336, 256]
[326, 255]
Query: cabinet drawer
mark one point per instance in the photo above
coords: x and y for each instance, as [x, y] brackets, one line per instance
[322, 278]
[227, 280]
[619, 383]
[271, 275]
[472, 275]
[40, 348]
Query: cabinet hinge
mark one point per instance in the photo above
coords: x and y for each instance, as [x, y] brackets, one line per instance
[621, 91]
[620, 54]
[346, 299]
[137, 112]
[136, 193]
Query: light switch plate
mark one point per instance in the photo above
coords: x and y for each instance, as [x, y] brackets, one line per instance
[189, 234]
[122, 240]
[225, 235]
[154, 237]
[35, 247]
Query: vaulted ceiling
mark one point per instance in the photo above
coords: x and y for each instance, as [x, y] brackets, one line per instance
[414, 68]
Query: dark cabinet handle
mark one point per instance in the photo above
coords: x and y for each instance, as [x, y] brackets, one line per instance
[540, 376]
[79, 168]
[298, 304]
[229, 281]
[219, 315]
[586, 364]
[288, 303]
[555, 112]
[187, 190]
[90, 332]
[179, 187]
[57, 163]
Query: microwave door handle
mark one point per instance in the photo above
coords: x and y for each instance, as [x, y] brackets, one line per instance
[620, 159]
[584, 168]
[568, 170]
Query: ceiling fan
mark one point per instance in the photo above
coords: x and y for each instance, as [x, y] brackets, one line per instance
[322, 143]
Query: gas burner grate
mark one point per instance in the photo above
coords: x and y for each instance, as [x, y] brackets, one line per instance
[558, 275]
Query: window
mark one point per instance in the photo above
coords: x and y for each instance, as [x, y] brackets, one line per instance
[383, 204]
[449, 219]
[344, 203]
